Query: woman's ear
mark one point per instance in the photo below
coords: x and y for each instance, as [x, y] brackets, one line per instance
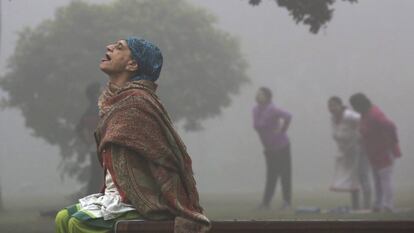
[132, 66]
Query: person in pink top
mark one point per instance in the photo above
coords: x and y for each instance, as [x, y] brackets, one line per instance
[271, 124]
[380, 141]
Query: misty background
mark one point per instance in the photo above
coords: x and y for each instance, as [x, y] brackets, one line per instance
[366, 47]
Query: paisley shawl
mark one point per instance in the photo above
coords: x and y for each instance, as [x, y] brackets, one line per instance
[150, 160]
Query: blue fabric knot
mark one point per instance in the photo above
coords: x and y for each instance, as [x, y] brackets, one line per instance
[148, 56]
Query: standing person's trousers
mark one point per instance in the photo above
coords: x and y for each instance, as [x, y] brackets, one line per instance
[383, 188]
[278, 164]
[364, 170]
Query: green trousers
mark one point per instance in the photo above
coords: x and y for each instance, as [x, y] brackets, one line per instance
[67, 224]
[73, 220]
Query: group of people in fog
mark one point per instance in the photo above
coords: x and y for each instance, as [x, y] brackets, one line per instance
[147, 172]
[367, 146]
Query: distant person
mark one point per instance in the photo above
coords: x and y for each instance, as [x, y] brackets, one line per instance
[380, 140]
[272, 123]
[351, 166]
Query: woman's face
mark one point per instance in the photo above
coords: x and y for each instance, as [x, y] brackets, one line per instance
[335, 108]
[261, 97]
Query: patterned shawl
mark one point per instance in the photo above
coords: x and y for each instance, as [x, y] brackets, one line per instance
[149, 158]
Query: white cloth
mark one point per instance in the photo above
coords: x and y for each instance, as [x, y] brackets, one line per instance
[346, 135]
[107, 205]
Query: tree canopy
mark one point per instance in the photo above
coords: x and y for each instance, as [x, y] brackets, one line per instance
[53, 64]
[313, 13]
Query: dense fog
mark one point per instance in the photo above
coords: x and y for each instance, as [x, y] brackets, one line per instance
[366, 47]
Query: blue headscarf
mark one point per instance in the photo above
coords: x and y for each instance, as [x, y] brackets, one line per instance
[148, 56]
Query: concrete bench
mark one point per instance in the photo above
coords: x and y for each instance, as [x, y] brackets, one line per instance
[348, 226]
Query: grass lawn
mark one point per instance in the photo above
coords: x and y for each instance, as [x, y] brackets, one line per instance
[23, 213]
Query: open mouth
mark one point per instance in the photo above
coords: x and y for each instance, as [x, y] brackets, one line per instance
[106, 58]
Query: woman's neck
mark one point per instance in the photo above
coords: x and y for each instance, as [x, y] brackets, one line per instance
[119, 80]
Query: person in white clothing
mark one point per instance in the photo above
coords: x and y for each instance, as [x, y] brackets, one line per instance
[351, 166]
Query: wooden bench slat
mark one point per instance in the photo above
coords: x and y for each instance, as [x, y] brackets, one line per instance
[353, 226]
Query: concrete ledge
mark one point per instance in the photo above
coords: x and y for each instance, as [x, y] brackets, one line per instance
[317, 226]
